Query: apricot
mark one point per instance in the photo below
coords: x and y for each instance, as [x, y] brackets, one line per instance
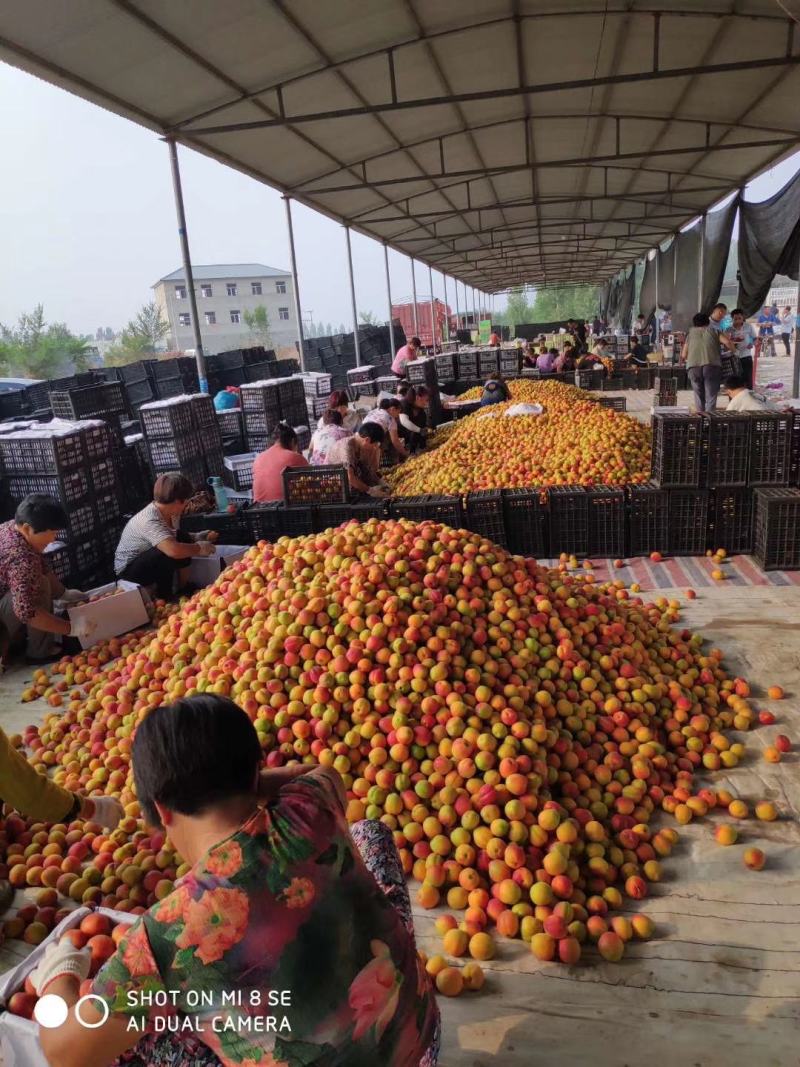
[450, 981]
[738, 809]
[455, 943]
[754, 858]
[766, 811]
[726, 834]
[543, 946]
[473, 975]
[611, 947]
[481, 947]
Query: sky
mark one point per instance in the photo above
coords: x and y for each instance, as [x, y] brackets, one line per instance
[87, 219]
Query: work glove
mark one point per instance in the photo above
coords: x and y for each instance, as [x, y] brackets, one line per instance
[82, 628]
[206, 548]
[59, 960]
[73, 596]
[105, 810]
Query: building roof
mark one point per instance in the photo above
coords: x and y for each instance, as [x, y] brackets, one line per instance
[222, 271]
[500, 141]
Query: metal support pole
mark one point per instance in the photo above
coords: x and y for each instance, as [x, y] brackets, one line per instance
[287, 200]
[701, 264]
[187, 266]
[353, 296]
[458, 313]
[414, 297]
[389, 297]
[446, 308]
[657, 331]
[433, 310]
[796, 362]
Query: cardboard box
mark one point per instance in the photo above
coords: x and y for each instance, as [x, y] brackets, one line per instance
[203, 570]
[19, 1038]
[114, 615]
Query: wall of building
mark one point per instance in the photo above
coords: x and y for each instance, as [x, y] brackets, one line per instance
[226, 334]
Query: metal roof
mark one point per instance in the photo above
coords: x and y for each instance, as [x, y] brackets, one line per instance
[221, 271]
[500, 141]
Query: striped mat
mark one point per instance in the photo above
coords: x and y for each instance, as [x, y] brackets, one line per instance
[688, 572]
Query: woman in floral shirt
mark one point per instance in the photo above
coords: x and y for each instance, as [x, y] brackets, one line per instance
[330, 431]
[278, 949]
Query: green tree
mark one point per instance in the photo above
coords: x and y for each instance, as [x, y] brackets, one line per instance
[38, 349]
[368, 318]
[258, 323]
[147, 329]
[566, 302]
[518, 309]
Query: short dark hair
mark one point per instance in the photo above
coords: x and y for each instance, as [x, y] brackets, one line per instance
[717, 307]
[735, 381]
[371, 431]
[193, 754]
[332, 417]
[389, 402]
[415, 341]
[285, 435]
[338, 399]
[403, 388]
[41, 512]
[738, 311]
[421, 390]
[701, 319]
[171, 488]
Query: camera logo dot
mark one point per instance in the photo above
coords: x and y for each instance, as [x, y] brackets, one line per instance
[51, 1011]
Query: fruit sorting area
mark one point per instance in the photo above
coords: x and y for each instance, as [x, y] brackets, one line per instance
[720, 928]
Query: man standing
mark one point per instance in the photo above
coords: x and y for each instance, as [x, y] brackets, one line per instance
[767, 321]
[744, 338]
[787, 321]
[701, 355]
[718, 313]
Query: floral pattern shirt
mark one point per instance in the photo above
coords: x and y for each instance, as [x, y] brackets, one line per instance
[322, 442]
[21, 570]
[283, 922]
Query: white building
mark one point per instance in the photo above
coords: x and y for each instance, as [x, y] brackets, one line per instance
[224, 292]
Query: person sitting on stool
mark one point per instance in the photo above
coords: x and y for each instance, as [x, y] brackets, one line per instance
[151, 550]
[27, 585]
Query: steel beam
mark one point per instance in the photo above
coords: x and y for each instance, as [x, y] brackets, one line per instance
[287, 200]
[177, 190]
[353, 296]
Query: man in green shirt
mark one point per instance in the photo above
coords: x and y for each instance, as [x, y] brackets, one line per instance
[701, 354]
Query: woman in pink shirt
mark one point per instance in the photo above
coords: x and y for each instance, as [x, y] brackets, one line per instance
[406, 354]
[269, 465]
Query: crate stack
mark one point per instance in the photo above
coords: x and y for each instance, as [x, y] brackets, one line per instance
[231, 429]
[73, 462]
[182, 434]
[361, 380]
[487, 363]
[509, 361]
[467, 364]
[726, 458]
[175, 377]
[777, 529]
[317, 388]
[293, 407]
[446, 367]
[138, 379]
[259, 363]
[261, 411]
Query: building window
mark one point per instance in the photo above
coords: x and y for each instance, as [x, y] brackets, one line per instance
[231, 288]
[283, 313]
[206, 291]
[211, 318]
[280, 287]
[256, 288]
[184, 319]
[180, 292]
[236, 316]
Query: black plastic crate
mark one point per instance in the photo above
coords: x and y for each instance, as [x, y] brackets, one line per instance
[296, 521]
[569, 520]
[140, 392]
[42, 455]
[195, 471]
[317, 384]
[583, 378]
[445, 367]
[70, 487]
[230, 423]
[162, 421]
[136, 372]
[509, 363]
[261, 399]
[447, 510]
[648, 519]
[37, 396]
[770, 448]
[100, 442]
[358, 375]
[330, 515]
[59, 561]
[484, 515]
[606, 522]
[310, 486]
[667, 387]
[90, 401]
[263, 522]
[677, 450]
[777, 529]
[526, 522]
[86, 555]
[169, 455]
[257, 372]
[726, 449]
[467, 363]
[12, 404]
[688, 522]
[214, 459]
[731, 520]
[614, 403]
[82, 523]
[238, 471]
[794, 469]
[645, 378]
[203, 413]
[232, 527]
[487, 363]
[108, 508]
[103, 475]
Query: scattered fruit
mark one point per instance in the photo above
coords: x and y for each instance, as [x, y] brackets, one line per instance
[782, 743]
[473, 976]
[726, 834]
[449, 981]
[766, 811]
[775, 692]
[754, 858]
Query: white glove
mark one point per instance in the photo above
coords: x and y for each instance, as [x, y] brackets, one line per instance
[73, 596]
[59, 960]
[105, 810]
[206, 548]
[82, 628]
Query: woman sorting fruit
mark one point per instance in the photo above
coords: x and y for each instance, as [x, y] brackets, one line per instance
[323, 438]
[338, 401]
[360, 456]
[151, 550]
[270, 464]
[413, 419]
[296, 929]
[28, 587]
